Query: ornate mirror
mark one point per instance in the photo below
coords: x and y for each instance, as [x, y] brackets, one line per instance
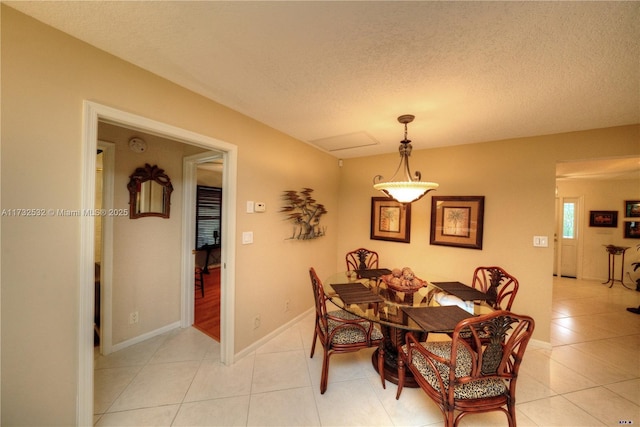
[149, 192]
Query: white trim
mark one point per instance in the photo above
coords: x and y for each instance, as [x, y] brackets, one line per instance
[106, 267]
[187, 299]
[86, 258]
[228, 260]
[92, 113]
[146, 336]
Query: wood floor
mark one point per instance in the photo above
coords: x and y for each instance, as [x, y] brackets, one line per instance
[207, 308]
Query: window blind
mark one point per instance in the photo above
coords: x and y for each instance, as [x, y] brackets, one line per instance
[208, 215]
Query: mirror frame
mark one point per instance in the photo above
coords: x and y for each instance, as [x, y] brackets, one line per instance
[144, 174]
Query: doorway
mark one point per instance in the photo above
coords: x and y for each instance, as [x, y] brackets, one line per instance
[204, 308]
[93, 113]
[208, 247]
[568, 235]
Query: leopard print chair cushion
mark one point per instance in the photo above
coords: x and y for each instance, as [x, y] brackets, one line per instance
[350, 334]
[474, 390]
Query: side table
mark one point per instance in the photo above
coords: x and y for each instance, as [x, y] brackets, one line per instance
[613, 250]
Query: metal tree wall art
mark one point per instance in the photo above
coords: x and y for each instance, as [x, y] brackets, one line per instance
[305, 213]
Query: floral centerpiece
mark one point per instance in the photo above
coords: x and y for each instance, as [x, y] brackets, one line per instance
[403, 280]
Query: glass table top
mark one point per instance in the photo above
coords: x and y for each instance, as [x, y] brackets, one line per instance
[373, 299]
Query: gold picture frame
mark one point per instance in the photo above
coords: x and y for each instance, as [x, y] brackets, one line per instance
[457, 221]
[390, 220]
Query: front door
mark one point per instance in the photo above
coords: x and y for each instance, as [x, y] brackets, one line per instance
[569, 237]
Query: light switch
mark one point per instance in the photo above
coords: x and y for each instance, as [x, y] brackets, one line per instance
[541, 241]
[247, 237]
[249, 206]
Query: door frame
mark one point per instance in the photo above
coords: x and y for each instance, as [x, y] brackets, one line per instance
[106, 267]
[190, 182]
[92, 113]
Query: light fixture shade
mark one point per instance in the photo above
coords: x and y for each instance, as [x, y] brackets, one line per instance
[410, 188]
[406, 191]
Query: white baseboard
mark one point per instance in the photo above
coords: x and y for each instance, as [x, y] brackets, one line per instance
[143, 337]
[253, 347]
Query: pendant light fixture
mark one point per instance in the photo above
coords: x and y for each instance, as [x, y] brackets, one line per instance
[408, 188]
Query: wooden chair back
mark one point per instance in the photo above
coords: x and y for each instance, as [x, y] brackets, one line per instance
[361, 259]
[496, 282]
[340, 332]
[321, 304]
[478, 370]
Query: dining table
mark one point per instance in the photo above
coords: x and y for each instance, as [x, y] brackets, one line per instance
[365, 294]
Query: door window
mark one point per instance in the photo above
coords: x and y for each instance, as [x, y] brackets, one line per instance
[568, 221]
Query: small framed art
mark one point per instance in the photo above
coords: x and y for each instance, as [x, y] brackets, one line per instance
[390, 220]
[457, 221]
[603, 219]
[632, 229]
[632, 208]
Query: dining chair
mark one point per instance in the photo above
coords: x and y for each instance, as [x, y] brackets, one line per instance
[465, 379]
[500, 285]
[340, 332]
[361, 259]
[198, 280]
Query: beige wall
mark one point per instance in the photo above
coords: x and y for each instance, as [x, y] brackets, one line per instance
[46, 76]
[603, 195]
[209, 178]
[517, 178]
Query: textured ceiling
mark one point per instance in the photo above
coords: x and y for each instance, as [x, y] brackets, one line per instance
[339, 73]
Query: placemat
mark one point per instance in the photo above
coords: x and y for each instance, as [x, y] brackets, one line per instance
[355, 293]
[432, 319]
[373, 273]
[462, 291]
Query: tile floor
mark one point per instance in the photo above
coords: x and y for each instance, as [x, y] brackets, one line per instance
[591, 377]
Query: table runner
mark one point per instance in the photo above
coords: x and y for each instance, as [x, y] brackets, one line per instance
[462, 291]
[373, 272]
[355, 293]
[434, 319]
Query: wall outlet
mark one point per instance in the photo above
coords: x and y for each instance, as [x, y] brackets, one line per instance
[256, 322]
[133, 317]
[247, 237]
[286, 305]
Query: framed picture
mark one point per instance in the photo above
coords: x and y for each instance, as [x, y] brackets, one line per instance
[632, 229]
[632, 208]
[603, 219]
[457, 221]
[390, 220]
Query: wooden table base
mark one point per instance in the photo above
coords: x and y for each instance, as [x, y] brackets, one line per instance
[391, 371]
[392, 338]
